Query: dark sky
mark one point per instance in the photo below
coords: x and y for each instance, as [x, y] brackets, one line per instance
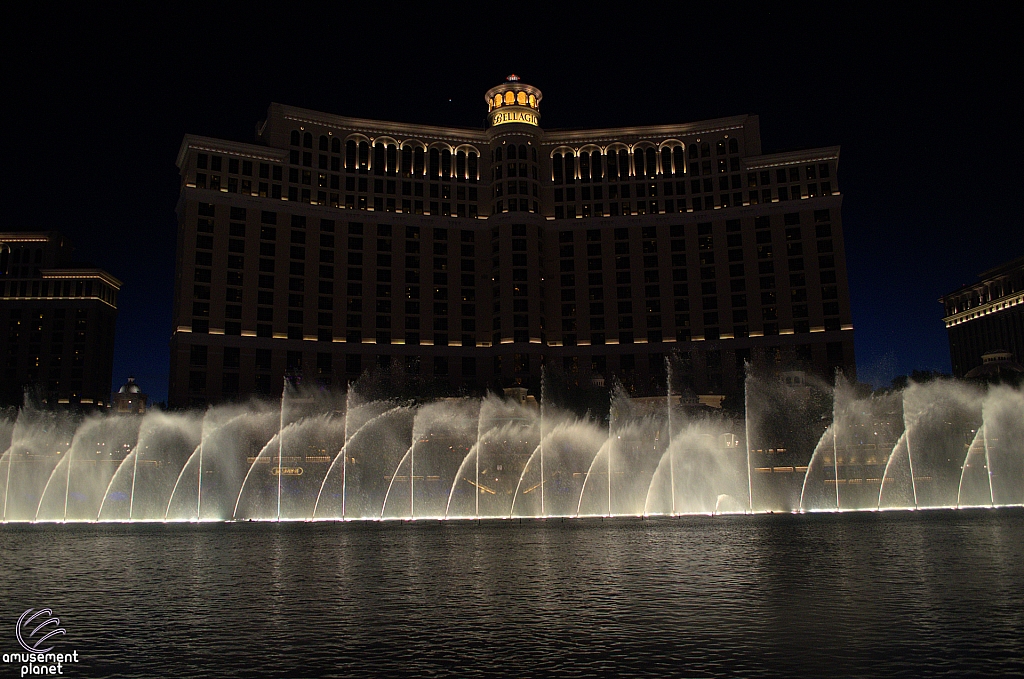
[920, 102]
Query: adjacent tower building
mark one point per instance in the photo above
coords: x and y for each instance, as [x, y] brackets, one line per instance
[985, 320]
[333, 244]
[57, 319]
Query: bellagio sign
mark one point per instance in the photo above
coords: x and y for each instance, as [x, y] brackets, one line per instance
[513, 115]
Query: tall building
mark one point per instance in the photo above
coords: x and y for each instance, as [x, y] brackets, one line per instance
[57, 319]
[475, 255]
[986, 318]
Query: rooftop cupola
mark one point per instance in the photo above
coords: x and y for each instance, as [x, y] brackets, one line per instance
[513, 101]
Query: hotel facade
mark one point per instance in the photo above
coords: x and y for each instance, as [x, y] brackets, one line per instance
[58, 320]
[985, 320]
[475, 256]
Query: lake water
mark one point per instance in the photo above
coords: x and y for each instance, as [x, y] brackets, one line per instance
[912, 594]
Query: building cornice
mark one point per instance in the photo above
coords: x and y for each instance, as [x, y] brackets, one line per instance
[770, 160]
[381, 127]
[995, 306]
[254, 151]
[23, 237]
[80, 274]
[612, 134]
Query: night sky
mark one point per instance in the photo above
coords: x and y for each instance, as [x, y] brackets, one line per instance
[921, 104]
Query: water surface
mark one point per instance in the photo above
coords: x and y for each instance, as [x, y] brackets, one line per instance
[913, 594]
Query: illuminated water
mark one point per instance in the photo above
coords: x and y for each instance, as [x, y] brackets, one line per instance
[895, 594]
[323, 456]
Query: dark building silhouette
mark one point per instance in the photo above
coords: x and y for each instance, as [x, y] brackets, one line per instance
[57, 322]
[473, 256]
[129, 399]
[987, 318]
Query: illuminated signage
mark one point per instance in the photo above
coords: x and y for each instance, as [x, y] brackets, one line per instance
[514, 115]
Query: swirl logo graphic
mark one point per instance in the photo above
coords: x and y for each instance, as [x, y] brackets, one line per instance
[42, 631]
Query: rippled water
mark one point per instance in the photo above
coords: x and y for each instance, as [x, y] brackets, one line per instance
[875, 594]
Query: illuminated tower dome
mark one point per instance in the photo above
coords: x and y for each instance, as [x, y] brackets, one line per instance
[513, 101]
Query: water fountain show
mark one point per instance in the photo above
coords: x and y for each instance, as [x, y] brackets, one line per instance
[322, 456]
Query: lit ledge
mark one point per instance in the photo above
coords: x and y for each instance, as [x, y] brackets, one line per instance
[698, 338]
[818, 328]
[309, 338]
[788, 331]
[248, 333]
[184, 328]
[756, 333]
[847, 326]
[280, 335]
[369, 340]
[216, 331]
[338, 339]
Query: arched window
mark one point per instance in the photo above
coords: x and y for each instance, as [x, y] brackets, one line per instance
[497, 100]
[323, 142]
[419, 162]
[446, 164]
[720, 147]
[364, 156]
[693, 152]
[407, 162]
[652, 163]
[535, 155]
[392, 157]
[680, 161]
[595, 166]
[473, 167]
[295, 137]
[521, 98]
[510, 98]
[623, 164]
[570, 168]
[512, 152]
[557, 168]
[460, 165]
[335, 145]
[705, 150]
[307, 140]
[639, 166]
[522, 152]
[613, 168]
[734, 145]
[497, 154]
[378, 158]
[350, 155]
[533, 101]
[585, 166]
[666, 161]
[435, 163]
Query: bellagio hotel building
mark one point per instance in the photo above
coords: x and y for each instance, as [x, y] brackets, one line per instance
[475, 256]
